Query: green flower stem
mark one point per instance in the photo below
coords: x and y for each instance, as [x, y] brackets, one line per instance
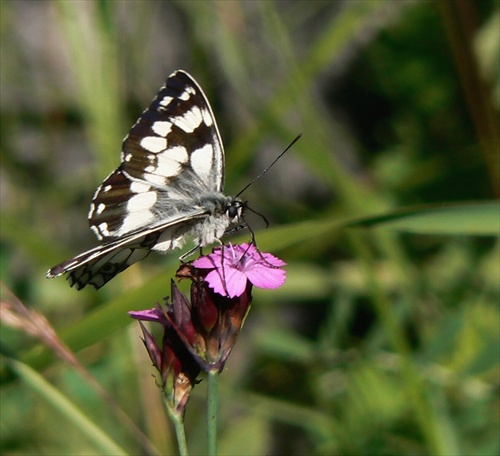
[213, 382]
[178, 420]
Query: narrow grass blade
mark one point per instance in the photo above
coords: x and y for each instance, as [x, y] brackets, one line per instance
[69, 410]
[473, 219]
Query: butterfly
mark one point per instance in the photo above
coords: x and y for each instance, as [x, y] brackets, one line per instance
[168, 187]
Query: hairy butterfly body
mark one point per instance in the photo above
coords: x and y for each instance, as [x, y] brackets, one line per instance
[169, 186]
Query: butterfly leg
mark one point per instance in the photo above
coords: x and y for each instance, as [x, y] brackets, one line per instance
[252, 235]
[190, 252]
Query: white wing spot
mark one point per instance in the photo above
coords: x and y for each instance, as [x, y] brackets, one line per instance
[184, 96]
[178, 153]
[153, 143]
[127, 157]
[162, 128]
[163, 246]
[139, 218]
[96, 231]
[166, 242]
[201, 160]
[156, 179]
[190, 121]
[103, 229]
[141, 201]
[100, 208]
[207, 117]
[139, 187]
[167, 167]
[165, 101]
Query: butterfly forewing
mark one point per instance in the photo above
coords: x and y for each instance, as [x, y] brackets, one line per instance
[168, 185]
[176, 133]
[172, 151]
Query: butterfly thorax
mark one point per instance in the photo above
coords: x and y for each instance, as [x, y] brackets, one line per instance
[223, 213]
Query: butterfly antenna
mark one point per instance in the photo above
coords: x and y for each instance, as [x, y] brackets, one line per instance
[273, 162]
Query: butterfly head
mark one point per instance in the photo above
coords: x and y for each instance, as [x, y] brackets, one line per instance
[235, 208]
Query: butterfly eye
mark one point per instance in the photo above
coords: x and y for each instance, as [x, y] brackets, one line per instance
[232, 211]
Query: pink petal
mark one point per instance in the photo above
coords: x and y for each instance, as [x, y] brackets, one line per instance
[248, 248]
[263, 277]
[275, 261]
[235, 282]
[207, 262]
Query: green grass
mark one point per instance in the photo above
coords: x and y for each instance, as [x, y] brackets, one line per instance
[385, 337]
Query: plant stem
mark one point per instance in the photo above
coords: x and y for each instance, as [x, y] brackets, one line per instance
[178, 420]
[213, 382]
[181, 437]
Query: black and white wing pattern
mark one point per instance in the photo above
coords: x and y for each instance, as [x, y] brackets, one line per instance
[168, 186]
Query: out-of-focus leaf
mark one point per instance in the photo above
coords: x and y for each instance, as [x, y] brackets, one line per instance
[37, 383]
[475, 219]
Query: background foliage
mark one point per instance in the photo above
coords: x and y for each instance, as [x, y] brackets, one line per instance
[382, 341]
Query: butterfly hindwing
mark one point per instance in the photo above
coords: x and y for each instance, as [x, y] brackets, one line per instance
[99, 265]
[97, 272]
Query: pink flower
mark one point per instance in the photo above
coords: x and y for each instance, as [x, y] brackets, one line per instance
[232, 266]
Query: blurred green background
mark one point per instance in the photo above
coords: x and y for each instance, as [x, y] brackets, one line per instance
[384, 340]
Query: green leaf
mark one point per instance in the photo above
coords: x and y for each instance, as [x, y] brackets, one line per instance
[475, 219]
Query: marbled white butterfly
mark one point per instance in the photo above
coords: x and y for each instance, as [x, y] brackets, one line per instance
[168, 186]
